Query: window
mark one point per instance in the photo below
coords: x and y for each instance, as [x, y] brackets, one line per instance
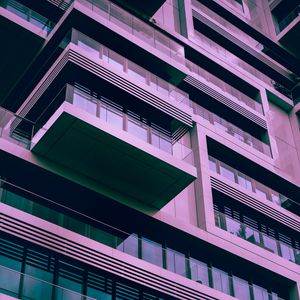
[152, 252]
[241, 288]
[199, 271]
[221, 280]
[227, 172]
[176, 262]
[260, 293]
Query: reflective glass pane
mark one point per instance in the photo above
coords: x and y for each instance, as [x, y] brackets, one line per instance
[89, 46]
[226, 172]
[137, 72]
[138, 129]
[199, 271]
[244, 182]
[233, 226]
[287, 251]
[220, 280]
[129, 245]
[176, 262]
[241, 288]
[152, 252]
[116, 61]
[260, 293]
[270, 243]
[144, 32]
[10, 281]
[36, 289]
[121, 17]
[85, 103]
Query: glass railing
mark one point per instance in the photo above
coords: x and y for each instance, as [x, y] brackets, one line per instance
[222, 86]
[134, 245]
[231, 129]
[136, 27]
[28, 14]
[114, 114]
[248, 183]
[24, 286]
[288, 19]
[228, 57]
[15, 128]
[256, 237]
[120, 63]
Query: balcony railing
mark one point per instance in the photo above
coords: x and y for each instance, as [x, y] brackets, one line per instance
[24, 286]
[134, 245]
[256, 237]
[288, 19]
[20, 135]
[136, 27]
[248, 183]
[120, 63]
[222, 86]
[231, 129]
[28, 14]
[113, 114]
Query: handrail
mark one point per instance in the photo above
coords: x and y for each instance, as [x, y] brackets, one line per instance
[126, 242]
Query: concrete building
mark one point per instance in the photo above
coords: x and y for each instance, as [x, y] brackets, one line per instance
[149, 149]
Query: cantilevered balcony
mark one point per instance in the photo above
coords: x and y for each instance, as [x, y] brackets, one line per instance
[21, 28]
[245, 182]
[232, 130]
[288, 30]
[259, 238]
[98, 139]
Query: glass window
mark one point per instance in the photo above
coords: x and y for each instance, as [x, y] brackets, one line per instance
[241, 288]
[142, 31]
[137, 72]
[152, 252]
[137, 128]
[34, 288]
[199, 271]
[227, 172]
[111, 116]
[270, 243]
[287, 251]
[161, 141]
[221, 280]
[121, 17]
[252, 235]
[10, 281]
[116, 60]
[89, 45]
[212, 164]
[129, 245]
[233, 226]
[260, 293]
[244, 181]
[176, 262]
[85, 103]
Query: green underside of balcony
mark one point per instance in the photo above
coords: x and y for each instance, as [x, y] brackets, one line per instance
[141, 173]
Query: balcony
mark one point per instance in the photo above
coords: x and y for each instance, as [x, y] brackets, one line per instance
[137, 246]
[252, 185]
[288, 30]
[21, 135]
[232, 130]
[21, 28]
[23, 286]
[97, 139]
[257, 237]
[224, 87]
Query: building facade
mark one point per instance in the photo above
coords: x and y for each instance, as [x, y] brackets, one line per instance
[150, 149]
